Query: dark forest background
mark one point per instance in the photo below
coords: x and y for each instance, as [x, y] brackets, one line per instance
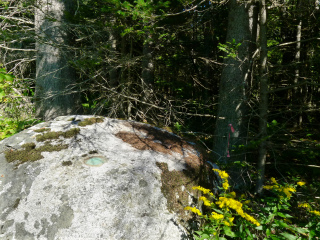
[182, 65]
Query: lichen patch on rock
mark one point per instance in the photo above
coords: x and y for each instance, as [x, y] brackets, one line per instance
[56, 135]
[29, 152]
[90, 121]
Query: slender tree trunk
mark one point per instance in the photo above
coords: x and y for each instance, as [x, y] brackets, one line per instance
[147, 64]
[297, 91]
[147, 74]
[232, 111]
[56, 92]
[263, 106]
[113, 73]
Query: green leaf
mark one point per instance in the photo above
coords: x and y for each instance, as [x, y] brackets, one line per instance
[2, 94]
[259, 228]
[282, 224]
[271, 216]
[228, 232]
[300, 230]
[141, 3]
[2, 76]
[284, 215]
[249, 233]
[275, 238]
[218, 210]
[289, 236]
[268, 232]
[9, 77]
[311, 234]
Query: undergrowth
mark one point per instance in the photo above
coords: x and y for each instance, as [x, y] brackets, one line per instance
[280, 214]
[15, 105]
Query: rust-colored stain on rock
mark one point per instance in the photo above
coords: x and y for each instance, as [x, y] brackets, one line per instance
[160, 141]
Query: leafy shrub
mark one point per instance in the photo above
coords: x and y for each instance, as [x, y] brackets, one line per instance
[273, 216]
[15, 106]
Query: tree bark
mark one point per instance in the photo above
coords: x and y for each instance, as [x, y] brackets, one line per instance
[232, 109]
[147, 74]
[147, 64]
[113, 73]
[263, 106]
[56, 89]
[297, 91]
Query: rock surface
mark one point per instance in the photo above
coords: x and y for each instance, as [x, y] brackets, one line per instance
[85, 177]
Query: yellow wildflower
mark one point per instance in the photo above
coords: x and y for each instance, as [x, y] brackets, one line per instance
[276, 187]
[233, 194]
[237, 206]
[225, 185]
[288, 190]
[274, 180]
[222, 174]
[216, 216]
[226, 223]
[301, 183]
[304, 205]
[204, 190]
[250, 219]
[246, 202]
[229, 222]
[268, 187]
[229, 203]
[315, 212]
[193, 209]
[205, 201]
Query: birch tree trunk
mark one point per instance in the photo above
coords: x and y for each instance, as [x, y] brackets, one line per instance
[56, 92]
[232, 111]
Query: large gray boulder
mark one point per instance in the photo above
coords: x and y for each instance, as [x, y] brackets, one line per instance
[85, 177]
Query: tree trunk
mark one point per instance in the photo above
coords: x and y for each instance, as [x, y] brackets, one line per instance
[147, 74]
[56, 89]
[297, 91]
[113, 73]
[147, 64]
[232, 111]
[263, 106]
